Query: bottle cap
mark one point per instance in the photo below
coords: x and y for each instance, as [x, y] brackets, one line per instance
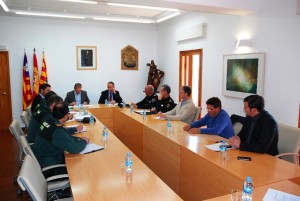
[249, 179]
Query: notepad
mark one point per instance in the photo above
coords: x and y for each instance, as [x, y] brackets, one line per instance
[91, 148]
[73, 126]
[216, 146]
[275, 195]
[142, 111]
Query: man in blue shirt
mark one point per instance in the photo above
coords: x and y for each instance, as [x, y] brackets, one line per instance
[217, 121]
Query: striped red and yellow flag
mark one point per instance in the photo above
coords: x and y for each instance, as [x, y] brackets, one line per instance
[35, 84]
[44, 75]
[27, 96]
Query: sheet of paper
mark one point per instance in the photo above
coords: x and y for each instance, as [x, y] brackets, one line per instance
[159, 118]
[275, 195]
[141, 111]
[83, 129]
[80, 117]
[91, 148]
[216, 146]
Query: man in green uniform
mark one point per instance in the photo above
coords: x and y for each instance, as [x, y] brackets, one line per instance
[53, 139]
[165, 103]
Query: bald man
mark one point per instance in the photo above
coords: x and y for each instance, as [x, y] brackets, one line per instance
[149, 101]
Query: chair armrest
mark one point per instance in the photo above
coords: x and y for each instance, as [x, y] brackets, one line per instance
[53, 166]
[60, 176]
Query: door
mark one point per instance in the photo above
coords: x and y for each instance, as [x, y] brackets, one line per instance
[190, 73]
[5, 95]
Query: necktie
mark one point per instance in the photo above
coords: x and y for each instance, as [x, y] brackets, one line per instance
[110, 96]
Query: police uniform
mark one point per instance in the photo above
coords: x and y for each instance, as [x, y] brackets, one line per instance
[39, 115]
[165, 105]
[148, 102]
[51, 142]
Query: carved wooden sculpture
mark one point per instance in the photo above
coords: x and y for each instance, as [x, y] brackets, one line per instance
[154, 75]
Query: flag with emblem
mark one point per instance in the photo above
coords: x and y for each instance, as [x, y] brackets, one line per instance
[27, 96]
[44, 75]
[35, 84]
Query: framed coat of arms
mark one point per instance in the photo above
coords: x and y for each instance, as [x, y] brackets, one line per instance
[129, 58]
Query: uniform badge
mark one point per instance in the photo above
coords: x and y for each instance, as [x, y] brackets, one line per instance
[168, 105]
[153, 100]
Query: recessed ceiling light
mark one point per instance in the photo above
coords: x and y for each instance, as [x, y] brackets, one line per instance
[124, 20]
[80, 1]
[50, 15]
[138, 6]
[4, 6]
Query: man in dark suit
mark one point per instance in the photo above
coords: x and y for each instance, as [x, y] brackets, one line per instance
[165, 103]
[43, 90]
[260, 130]
[111, 94]
[77, 96]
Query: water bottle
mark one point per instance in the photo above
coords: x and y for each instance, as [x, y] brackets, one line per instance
[81, 108]
[124, 105]
[248, 189]
[169, 125]
[106, 102]
[223, 149]
[104, 133]
[128, 163]
[131, 109]
[144, 114]
[92, 121]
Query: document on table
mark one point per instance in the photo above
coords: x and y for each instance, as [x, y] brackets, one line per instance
[142, 111]
[216, 146]
[275, 195]
[83, 129]
[159, 118]
[91, 148]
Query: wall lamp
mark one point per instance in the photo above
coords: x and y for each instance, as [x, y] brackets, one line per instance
[243, 43]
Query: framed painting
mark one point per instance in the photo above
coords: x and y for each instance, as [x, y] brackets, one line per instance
[243, 74]
[129, 58]
[86, 57]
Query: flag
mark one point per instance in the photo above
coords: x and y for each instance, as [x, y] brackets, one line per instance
[44, 76]
[35, 84]
[27, 96]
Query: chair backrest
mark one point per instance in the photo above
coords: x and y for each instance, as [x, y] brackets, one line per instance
[198, 111]
[16, 130]
[289, 141]
[25, 118]
[27, 149]
[28, 110]
[237, 127]
[32, 180]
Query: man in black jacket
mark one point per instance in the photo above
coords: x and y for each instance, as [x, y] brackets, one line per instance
[149, 101]
[111, 94]
[260, 130]
[43, 90]
[165, 103]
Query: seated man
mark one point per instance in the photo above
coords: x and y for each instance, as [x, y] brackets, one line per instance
[165, 103]
[111, 95]
[53, 139]
[260, 130]
[149, 101]
[216, 120]
[77, 96]
[185, 110]
[43, 90]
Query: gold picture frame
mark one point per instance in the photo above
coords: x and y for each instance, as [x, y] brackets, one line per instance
[129, 58]
[86, 57]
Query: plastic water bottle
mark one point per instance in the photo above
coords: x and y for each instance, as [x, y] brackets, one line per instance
[104, 133]
[106, 102]
[169, 125]
[124, 105]
[81, 108]
[144, 114]
[248, 189]
[131, 109]
[223, 150]
[92, 122]
[128, 163]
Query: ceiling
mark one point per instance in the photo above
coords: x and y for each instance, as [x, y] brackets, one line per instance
[102, 10]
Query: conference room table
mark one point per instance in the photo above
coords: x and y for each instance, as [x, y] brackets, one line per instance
[181, 160]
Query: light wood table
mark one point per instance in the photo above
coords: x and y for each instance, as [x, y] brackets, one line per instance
[183, 162]
[259, 192]
[99, 176]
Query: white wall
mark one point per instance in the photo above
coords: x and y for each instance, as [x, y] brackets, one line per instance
[59, 39]
[274, 30]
